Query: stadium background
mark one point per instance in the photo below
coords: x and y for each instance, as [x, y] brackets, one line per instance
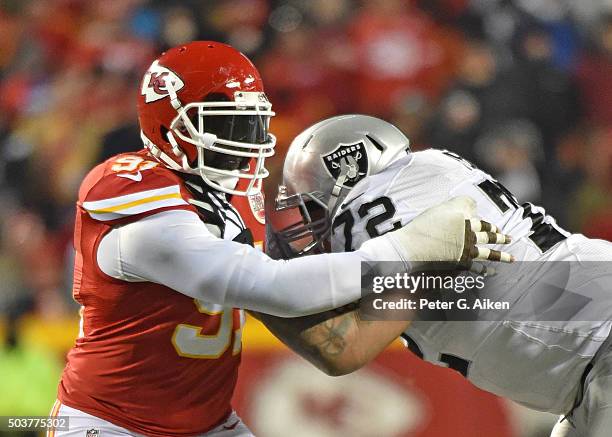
[522, 88]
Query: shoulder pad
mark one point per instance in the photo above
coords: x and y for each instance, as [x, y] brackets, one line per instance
[130, 186]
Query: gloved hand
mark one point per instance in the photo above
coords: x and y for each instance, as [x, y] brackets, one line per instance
[450, 232]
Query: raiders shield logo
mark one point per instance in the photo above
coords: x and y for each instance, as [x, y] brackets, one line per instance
[92, 433]
[155, 82]
[352, 157]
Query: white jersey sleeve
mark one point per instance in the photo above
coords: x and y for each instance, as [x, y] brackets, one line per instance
[176, 249]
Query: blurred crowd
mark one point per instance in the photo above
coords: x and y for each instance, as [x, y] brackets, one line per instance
[522, 88]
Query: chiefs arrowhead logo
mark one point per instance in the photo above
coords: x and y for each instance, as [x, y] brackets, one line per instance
[156, 80]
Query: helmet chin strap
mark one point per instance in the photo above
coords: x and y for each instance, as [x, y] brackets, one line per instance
[337, 192]
[158, 153]
[174, 100]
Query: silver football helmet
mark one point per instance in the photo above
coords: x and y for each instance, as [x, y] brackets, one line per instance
[322, 165]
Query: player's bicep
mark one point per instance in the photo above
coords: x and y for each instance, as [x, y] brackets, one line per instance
[109, 259]
[172, 248]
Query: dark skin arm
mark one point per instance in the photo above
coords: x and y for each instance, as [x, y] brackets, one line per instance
[337, 342]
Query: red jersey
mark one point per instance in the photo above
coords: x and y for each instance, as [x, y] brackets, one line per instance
[148, 358]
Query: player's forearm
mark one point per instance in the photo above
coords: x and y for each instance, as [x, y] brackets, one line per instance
[326, 340]
[337, 342]
[300, 286]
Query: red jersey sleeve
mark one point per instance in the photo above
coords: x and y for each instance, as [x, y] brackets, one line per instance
[128, 187]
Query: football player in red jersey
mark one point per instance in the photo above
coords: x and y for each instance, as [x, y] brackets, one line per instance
[165, 264]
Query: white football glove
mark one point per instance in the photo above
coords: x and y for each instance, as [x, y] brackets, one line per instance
[450, 232]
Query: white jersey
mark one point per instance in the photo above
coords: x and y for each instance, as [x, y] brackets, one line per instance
[538, 364]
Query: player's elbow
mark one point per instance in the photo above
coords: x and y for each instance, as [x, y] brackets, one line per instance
[287, 305]
[282, 309]
[349, 361]
[332, 363]
[333, 367]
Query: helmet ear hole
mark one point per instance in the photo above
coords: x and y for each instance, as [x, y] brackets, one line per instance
[163, 132]
[375, 143]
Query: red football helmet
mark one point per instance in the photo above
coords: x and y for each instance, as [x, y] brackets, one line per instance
[202, 110]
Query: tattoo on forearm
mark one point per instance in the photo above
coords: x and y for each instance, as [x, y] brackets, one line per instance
[320, 338]
[330, 336]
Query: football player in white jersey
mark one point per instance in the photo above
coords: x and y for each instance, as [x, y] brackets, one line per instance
[353, 178]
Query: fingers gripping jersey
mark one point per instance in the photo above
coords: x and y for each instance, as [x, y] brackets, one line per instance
[537, 364]
[148, 358]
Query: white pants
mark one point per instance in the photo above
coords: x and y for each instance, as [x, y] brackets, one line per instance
[593, 417]
[80, 423]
